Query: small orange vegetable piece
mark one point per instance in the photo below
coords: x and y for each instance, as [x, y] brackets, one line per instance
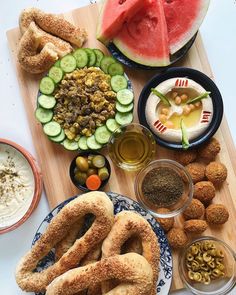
[93, 182]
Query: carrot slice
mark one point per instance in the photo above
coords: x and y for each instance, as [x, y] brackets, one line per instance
[93, 182]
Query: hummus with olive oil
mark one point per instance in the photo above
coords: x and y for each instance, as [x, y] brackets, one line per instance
[16, 185]
[175, 135]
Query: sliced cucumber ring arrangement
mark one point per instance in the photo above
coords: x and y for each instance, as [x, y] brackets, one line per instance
[46, 102]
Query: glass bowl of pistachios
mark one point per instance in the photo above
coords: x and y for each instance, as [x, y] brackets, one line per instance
[207, 266]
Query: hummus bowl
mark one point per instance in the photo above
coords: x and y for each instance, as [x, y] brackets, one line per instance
[20, 185]
[183, 88]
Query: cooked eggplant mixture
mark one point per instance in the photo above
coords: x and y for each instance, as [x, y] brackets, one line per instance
[85, 101]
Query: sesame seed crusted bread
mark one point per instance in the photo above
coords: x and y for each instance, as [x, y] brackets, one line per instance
[128, 224]
[96, 203]
[52, 24]
[132, 270]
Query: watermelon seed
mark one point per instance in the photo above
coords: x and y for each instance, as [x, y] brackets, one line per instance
[122, 1]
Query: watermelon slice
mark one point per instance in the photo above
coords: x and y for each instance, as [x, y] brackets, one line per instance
[144, 38]
[113, 15]
[183, 18]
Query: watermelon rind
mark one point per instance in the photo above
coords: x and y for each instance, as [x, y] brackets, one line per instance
[193, 30]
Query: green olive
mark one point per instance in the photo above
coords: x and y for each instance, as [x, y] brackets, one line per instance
[92, 171]
[82, 164]
[98, 161]
[81, 177]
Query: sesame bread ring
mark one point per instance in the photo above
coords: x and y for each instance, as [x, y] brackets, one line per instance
[29, 59]
[96, 203]
[132, 270]
[128, 224]
[52, 24]
[35, 54]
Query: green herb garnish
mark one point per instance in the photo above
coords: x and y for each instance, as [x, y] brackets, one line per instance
[199, 98]
[162, 97]
[185, 141]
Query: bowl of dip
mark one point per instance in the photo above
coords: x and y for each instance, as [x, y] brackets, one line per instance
[192, 108]
[164, 184]
[20, 185]
[207, 266]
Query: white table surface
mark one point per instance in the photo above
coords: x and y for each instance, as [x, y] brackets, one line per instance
[218, 32]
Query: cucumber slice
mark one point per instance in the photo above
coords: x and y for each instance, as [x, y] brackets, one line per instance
[58, 138]
[93, 144]
[43, 115]
[91, 57]
[125, 96]
[115, 69]
[124, 119]
[99, 55]
[68, 63]
[102, 135]
[83, 143]
[46, 102]
[47, 85]
[81, 57]
[106, 62]
[56, 74]
[124, 108]
[57, 64]
[70, 145]
[112, 125]
[118, 82]
[52, 128]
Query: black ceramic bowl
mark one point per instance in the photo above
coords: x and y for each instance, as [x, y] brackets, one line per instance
[73, 165]
[117, 54]
[199, 78]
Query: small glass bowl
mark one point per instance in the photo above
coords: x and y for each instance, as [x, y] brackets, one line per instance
[132, 147]
[73, 165]
[180, 204]
[220, 286]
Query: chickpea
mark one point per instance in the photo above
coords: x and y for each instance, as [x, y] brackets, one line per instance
[192, 106]
[178, 100]
[163, 118]
[186, 110]
[165, 111]
[197, 104]
[174, 94]
[169, 124]
[184, 97]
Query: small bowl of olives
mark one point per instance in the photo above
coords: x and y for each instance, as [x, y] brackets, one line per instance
[90, 171]
[207, 266]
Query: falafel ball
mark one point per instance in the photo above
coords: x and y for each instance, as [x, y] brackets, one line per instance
[177, 238]
[197, 171]
[204, 191]
[195, 226]
[217, 214]
[209, 150]
[165, 223]
[216, 172]
[186, 157]
[195, 210]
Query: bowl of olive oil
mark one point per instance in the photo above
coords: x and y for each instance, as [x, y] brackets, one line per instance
[132, 146]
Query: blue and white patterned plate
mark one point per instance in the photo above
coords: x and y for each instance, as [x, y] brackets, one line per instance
[120, 203]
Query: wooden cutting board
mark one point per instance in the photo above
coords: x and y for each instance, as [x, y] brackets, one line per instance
[55, 160]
